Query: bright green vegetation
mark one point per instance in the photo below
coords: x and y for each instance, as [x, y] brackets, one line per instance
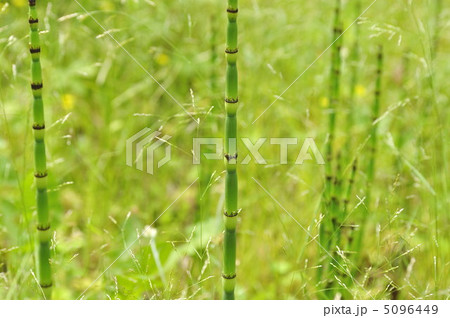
[231, 178]
[40, 161]
[96, 97]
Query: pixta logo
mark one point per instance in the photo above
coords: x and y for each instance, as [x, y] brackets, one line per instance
[142, 146]
[140, 150]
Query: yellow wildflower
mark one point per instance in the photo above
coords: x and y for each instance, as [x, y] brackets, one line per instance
[19, 3]
[324, 102]
[162, 59]
[360, 90]
[68, 100]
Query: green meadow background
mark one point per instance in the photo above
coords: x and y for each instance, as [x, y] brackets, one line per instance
[99, 91]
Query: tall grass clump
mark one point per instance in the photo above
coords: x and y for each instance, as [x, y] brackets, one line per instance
[43, 225]
[231, 179]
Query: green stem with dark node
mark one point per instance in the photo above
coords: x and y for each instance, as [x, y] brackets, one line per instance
[231, 179]
[372, 143]
[354, 78]
[326, 228]
[43, 226]
[349, 190]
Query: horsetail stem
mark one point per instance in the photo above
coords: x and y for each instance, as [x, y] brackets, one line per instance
[231, 179]
[43, 226]
[334, 99]
[372, 144]
[349, 190]
[354, 78]
[326, 227]
[374, 127]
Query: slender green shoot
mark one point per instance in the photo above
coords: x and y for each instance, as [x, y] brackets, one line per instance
[354, 79]
[372, 143]
[43, 226]
[231, 179]
[326, 228]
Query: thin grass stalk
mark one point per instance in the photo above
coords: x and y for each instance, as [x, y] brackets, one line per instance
[43, 226]
[231, 179]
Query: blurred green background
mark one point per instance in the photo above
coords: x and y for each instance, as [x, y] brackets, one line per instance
[96, 96]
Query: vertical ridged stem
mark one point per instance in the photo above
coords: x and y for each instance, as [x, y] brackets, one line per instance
[372, 143]
[374, 127]
[334, 101]
[327, 226]
[354, 70]
[231, 179]
[347, 243]
[349, 190]
[43, 225]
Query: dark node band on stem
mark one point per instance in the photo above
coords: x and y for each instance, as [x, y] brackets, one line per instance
[34, 50]
[31, 3]
[346, 201]
[231, 276]
[232, 10]
[43, 228]
[40, 175]
[36, 86]
[231, 51]
[231, 215]
[328, 178]
[377, 93]
[228, 157]
[334, 221]
[38, 127]
[231, 100]
[46, 285]
[33, 21]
